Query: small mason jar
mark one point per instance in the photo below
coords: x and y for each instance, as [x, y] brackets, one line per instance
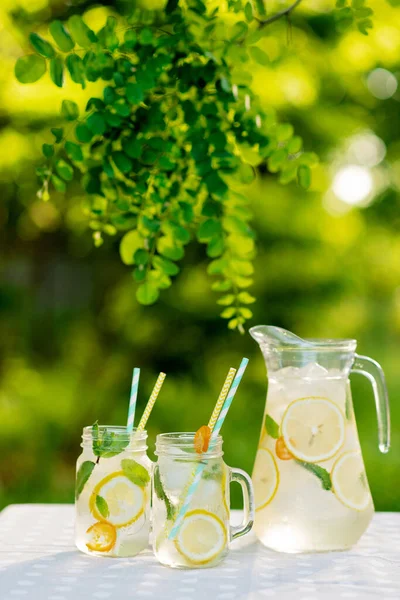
[112, 493]
[191, 503]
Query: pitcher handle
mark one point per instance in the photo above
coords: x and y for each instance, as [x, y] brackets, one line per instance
[373, 371]
[248, 502]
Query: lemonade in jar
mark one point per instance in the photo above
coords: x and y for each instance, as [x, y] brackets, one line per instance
[112, 494]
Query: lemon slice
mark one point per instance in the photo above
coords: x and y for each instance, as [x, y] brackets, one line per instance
[349, 481]
[102, 537]
[125, 500]
[265, 478]
[202, 537]
[313, 429]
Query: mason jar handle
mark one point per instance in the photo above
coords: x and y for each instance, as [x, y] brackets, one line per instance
[248, 502]
[373, 371]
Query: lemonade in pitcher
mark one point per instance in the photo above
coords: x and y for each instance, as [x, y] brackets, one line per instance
[311, 488]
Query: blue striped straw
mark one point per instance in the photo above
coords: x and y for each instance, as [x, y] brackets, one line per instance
[132, 400]
[214, 435]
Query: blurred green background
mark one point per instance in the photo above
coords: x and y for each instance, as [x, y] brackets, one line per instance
[328, 262]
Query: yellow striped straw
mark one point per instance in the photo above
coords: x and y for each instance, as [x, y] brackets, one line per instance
[221, 399]
[151, 402]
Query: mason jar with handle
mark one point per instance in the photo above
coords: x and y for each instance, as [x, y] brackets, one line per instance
[311, 487]
[112, 493]
[201, 536]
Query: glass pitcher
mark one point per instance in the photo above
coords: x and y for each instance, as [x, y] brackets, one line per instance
[311, 490]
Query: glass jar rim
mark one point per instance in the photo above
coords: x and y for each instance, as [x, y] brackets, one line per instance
[119, 431]
[175, 442]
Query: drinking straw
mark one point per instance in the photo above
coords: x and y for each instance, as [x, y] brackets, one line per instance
[221, 398]
[214, 435]
[133, 399]
[151, 402]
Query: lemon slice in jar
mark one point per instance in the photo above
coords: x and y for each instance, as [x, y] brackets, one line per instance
[117, 500]
[349, 481]
[265, 478]
[313, 429]
[201, 537]
[102, 537]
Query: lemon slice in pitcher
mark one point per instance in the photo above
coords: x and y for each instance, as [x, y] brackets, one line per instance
[349, 481]
[102, 537]
[265, 478]
[313, 429]
[124, 500]
[202, 537]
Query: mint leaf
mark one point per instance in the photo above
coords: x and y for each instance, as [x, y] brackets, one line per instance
[214, 473]
[160, 493]
[272, 427]
[135, 472]
[82, 476]
[106, 445]
[348, 407]
[320, 472]
[102, 506]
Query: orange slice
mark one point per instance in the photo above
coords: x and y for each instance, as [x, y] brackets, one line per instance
[281, 450]
[202, 439]
[102, 537]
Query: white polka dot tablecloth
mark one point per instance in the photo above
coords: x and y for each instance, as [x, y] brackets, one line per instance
[38, 561]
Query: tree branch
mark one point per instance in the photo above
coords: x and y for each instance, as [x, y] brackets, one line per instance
[282, 13]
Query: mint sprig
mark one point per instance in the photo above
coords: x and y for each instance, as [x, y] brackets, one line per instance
[83, 474]
[135, 472]
[105, 444]
[271, 427]
[319, 472]
[161, 494]
[102, 506]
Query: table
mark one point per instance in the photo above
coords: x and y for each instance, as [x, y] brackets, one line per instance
[38, 561]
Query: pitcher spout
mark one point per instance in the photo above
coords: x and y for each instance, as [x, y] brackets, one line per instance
[276, 337]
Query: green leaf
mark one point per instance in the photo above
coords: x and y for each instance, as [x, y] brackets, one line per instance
[259, 55]
[61, 36]
[80, 32]
[209, 229]
[141, 257]
[135, 472]
[238, 31]
[228, 312]
[59, 184]
[74, 151]
[246, 313]
[131, 242]
[221, 286]
[216, 246]
[271, 427]
[58, 133]
[76, 69]
[130, 38]
[134, 93]
[64, 170]
[161, 494]
[82, 476]
[304, 176]
[122, 162]
[295, 145]
[48, 150]
[246, 298]
[107, 36]
[248, 12]
[69, 110]
[147, 293]
[132, 147]
[320, 472]
[30, 68]
[146, 37]
[102, 506]
[83, 133]
[167, 248]
[165, 265]
[96, 123]
[57, 71]
[41, 46]
[226, 300]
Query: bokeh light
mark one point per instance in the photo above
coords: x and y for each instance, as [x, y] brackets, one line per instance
[382, 84]
[353, 184]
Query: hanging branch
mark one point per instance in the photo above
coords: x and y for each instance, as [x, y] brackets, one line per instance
[283, 13]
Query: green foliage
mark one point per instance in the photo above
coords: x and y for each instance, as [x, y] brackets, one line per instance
[30, 68]
[351, 13]
[102, 506]
[173, 139]
[135, 472]
[83, 474]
